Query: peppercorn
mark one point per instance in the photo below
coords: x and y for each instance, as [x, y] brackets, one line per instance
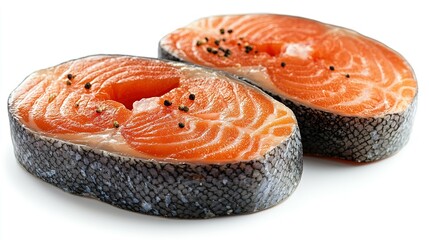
[183, 108]
[248, 49]
[167, 103]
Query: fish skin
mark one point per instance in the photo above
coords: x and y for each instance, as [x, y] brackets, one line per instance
[182, 190]
[156, 187]
[352, 138]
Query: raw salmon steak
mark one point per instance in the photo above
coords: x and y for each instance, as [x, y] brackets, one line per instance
[156, 137]
[354, 98]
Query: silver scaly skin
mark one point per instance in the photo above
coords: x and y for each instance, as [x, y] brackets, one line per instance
[148, 186]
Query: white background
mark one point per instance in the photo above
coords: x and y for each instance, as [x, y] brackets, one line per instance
[388, 199]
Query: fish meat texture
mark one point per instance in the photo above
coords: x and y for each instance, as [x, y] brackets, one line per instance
[354, 97]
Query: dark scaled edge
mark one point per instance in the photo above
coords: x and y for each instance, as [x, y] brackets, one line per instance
[331, 135]
[352, 138]
[165, 189]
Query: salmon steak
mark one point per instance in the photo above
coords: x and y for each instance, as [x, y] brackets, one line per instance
[354, 97]
[156, 137]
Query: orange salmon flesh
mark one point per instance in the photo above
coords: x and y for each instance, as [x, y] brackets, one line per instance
[313, 64]
[144, 108]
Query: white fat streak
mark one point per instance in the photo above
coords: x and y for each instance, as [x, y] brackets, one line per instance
[195, 73]
[39, 104]
[249, 148]
[270, 137]
[364, 95]
[91, 70]
[269, 141]
[69, 70]
[255, 74]
[381, 70]
[222, 23]
[213, 141]
[145, 104]
[225, 22]
[263, 32]
[187, 132]
[224, 114]
[364, 67]
[258, 75]
[197, 55]
[31, 93]
[300, 50]
[248, 31]
[400, 104]
[110, 140]
[210, 23]
[256, 27]
[257, 107]
[153, 125]
[236, 25]
[65, 107]
[173, 48]
[39, 86]
[179, 143]
[232, 145]
[367, 91]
